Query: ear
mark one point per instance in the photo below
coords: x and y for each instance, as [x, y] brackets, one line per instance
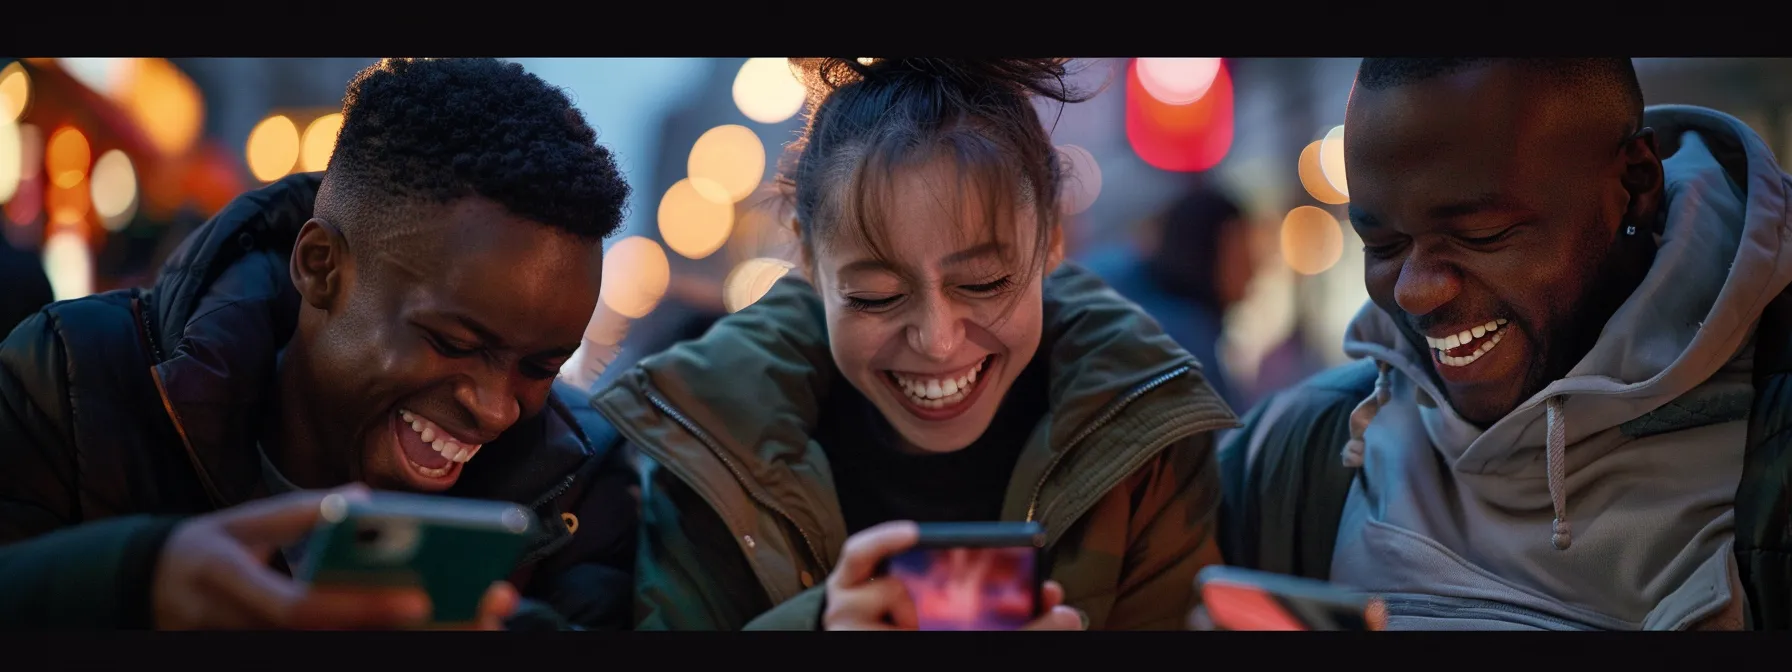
[319, 264]
[1643, 180]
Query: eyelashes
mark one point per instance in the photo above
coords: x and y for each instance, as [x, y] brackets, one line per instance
[983, 290]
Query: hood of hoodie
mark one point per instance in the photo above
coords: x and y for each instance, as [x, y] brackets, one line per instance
[221, 309]
[1675, 356]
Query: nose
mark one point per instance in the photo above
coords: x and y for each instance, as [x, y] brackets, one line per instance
[937, 331]
[489, 397]
[1426, 283]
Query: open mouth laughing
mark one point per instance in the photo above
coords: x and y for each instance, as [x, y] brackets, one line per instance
[941, 395]
[431, 454]
[1466, 347]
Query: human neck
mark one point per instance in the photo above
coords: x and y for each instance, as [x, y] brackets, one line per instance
[291, 434]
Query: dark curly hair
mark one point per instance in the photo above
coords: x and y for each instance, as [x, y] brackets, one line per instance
[433, 131]
[870, 117]
[1610, 84]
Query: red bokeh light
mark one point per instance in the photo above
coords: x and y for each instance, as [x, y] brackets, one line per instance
[1182, 138]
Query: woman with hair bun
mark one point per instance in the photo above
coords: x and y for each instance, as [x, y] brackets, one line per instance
[939, 363]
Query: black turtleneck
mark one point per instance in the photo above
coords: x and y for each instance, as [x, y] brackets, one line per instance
[878, 482]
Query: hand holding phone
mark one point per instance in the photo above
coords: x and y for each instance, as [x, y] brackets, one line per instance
[904, 576]
[212, 574]
[1235, 598]
[454, 551]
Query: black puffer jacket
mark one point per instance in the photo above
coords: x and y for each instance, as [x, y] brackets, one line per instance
[134, 405]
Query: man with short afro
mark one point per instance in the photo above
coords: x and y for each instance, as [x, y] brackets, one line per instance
[396, 322]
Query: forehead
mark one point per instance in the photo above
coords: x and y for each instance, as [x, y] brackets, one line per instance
[1479, 132]
[525, 280]
[920, 214]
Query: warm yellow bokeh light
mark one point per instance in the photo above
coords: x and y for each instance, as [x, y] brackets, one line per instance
[1311, 240]
[69, 263]
[749, 281]
[1082, 179]
[691, 224]
[15, 92]
[273, 148]
[1313, 177]
[114, 187]
[767, 91]
[12, 158]
[320, 141]
[68, 206]
[1331, 160]
[636, 274]
[1178, 81]
[164, 102]
[727, 163]
[67, 157]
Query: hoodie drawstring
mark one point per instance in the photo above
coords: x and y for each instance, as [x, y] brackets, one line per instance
[1555, 455]
[1555, 450]
[1364, 414]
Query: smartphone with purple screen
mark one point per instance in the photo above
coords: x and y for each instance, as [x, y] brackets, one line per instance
[973, 576]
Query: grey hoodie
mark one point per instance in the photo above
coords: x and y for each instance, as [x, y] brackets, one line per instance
[1606, 500]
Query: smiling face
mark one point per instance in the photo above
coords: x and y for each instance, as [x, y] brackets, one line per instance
[935, 332]
[1492, 211]
[424, 345]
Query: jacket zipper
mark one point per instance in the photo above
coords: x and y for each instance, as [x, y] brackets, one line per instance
[550, 547]
[1107, 416]
[205, 478]
[666, 407]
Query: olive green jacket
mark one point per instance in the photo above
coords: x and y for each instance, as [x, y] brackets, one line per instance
[741, 525]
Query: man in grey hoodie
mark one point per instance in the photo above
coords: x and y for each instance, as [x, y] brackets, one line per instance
[1569, 407]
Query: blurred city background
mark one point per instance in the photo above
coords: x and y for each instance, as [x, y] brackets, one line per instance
[1211, 190]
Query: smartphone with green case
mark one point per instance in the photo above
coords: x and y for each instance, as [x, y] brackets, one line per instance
[453, 549]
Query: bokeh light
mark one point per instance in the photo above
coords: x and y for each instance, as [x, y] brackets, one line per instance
[12, 158]
[1313, 177]
[273, 148]
[1178, 81]
[104, 75]
[15, 92]
[749, 281]
[1082, 179]
[319, 142]
[114, 187]
[69, 206]
[1182, 138]
[28, 202]
[636, 274]
[691, 224]
[727, 163]
[1311, 240]
[165, 102]
[1331, 160]
[67, 157]
[767, 91]
[69, 263]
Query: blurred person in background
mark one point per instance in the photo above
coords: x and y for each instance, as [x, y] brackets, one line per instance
[1570, 411]
[27, 286]
[396, 321]
[937, 369]
[1194, 264]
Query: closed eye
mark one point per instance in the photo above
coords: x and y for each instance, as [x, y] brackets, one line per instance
[448, 348]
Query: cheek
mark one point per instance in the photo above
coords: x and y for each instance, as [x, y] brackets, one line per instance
[855, 339]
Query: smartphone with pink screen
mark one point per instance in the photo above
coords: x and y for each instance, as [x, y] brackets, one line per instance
[973, 576]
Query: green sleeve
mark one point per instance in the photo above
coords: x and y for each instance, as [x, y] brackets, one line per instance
[1178, 502]
[689, 572]
[96, 575]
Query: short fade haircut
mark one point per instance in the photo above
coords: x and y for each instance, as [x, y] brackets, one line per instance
[1610, 81]
[434, 131]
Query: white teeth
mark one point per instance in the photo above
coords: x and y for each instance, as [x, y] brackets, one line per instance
[1451, 341]
[1448, 360]
[432, 473]
[933, 390]
[439, 441]
[1465, 337]
[1491, 326]
[429, 434]
[1478, 331]
[1501, 321]
[937, 392]
[950, 388]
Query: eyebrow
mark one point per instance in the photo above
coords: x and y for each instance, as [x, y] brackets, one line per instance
[1484, 203]
[955, 258]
